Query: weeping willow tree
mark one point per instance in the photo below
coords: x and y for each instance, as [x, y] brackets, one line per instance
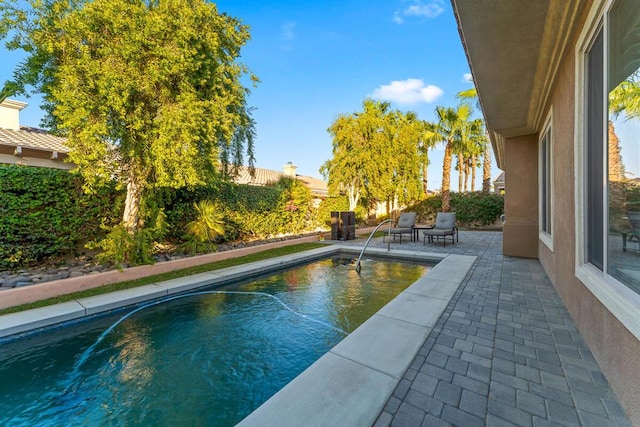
[375, 154]
[147, 92]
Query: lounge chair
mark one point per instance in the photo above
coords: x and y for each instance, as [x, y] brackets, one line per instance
[404, 226]
[445, 226]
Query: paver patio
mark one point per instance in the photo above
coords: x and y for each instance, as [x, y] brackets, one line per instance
[505, 352]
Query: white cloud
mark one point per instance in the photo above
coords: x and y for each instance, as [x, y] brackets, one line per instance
[287, 30]
[430, 9]
[467, 77]
[410, 91]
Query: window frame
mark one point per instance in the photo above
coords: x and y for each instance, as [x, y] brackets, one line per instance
[619, 299]
[546, 223]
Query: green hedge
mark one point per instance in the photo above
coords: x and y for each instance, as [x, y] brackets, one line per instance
[44, 212]
[249, 211]
[472, 209]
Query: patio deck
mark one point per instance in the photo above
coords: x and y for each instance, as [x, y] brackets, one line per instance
[504, 352]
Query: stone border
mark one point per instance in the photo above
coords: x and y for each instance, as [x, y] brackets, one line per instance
[27, 294]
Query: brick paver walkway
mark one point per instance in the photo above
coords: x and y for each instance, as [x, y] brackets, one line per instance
[504, 353]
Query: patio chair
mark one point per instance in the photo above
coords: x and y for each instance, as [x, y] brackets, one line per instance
[404, 226]
[445, 226]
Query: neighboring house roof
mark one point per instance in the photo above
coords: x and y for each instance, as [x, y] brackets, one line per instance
[267, 176]
[28, 146]
[33, 147]
[37, 139]
[498, 183]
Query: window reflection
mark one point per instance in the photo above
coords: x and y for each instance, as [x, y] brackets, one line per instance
[623, 257]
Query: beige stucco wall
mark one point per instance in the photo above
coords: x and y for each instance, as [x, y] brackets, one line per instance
[520, 230]
[614, 347]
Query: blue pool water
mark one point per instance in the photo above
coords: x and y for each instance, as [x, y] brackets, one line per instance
[205, 358]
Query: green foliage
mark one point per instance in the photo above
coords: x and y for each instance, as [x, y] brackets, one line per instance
[148, 93]
[322, 215]
[209, 222]
[205, 228]
[43, 212]
[472, 209]
[376, 154]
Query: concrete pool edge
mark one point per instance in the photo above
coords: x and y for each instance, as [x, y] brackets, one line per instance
[350, 384]
[27, 321]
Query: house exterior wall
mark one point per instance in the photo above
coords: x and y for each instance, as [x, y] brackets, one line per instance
[614, 346]
[520, 229]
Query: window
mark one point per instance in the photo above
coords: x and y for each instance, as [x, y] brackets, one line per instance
[546, 178]
[623, 143]
[611, 146]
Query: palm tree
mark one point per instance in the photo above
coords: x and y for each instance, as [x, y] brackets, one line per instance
[449, 130]
[472, 95]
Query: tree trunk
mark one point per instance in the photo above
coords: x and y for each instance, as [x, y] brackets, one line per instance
[466, 175]
[486, 169]
[354, 196]
[446, 177]
[424, 177]
[460, 172]
[473, 172]
[131, 216]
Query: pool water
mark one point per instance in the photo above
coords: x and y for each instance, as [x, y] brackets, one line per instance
[205, 358]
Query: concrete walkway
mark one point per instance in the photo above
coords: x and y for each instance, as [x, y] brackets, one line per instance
[505, 352]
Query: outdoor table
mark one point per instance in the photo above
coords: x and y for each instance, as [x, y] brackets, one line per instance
[416, 231]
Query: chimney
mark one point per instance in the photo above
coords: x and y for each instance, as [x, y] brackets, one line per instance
[10, 114]
[290, 170]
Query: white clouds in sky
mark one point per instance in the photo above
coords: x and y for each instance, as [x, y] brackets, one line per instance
[407, 92]
[287, 35]
[287, 31]
[467, 77]
[418, 8]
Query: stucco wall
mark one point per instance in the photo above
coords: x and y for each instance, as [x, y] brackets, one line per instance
[520, 235]
[614, 347]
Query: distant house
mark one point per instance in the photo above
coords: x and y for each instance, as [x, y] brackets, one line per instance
[498, 184]
[264, 177]
[22, 145]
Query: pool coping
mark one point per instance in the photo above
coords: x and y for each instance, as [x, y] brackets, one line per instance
[350, 384]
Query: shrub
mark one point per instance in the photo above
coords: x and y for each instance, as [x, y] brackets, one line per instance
[44, 212]
[472, 209]
[322, 215]
[202, 231]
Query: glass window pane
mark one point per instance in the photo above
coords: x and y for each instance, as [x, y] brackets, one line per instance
[594, 153]
[623, 137]
[545, 171]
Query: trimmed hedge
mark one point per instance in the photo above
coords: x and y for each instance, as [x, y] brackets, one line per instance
[473, 209]
[44, 212]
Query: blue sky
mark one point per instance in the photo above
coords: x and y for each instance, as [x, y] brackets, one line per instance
[317, 59]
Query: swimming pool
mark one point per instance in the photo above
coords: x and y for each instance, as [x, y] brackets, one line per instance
[206, 357]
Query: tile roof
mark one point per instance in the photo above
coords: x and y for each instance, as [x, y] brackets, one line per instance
[268, 176]
[33, 138]
[39, 139]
